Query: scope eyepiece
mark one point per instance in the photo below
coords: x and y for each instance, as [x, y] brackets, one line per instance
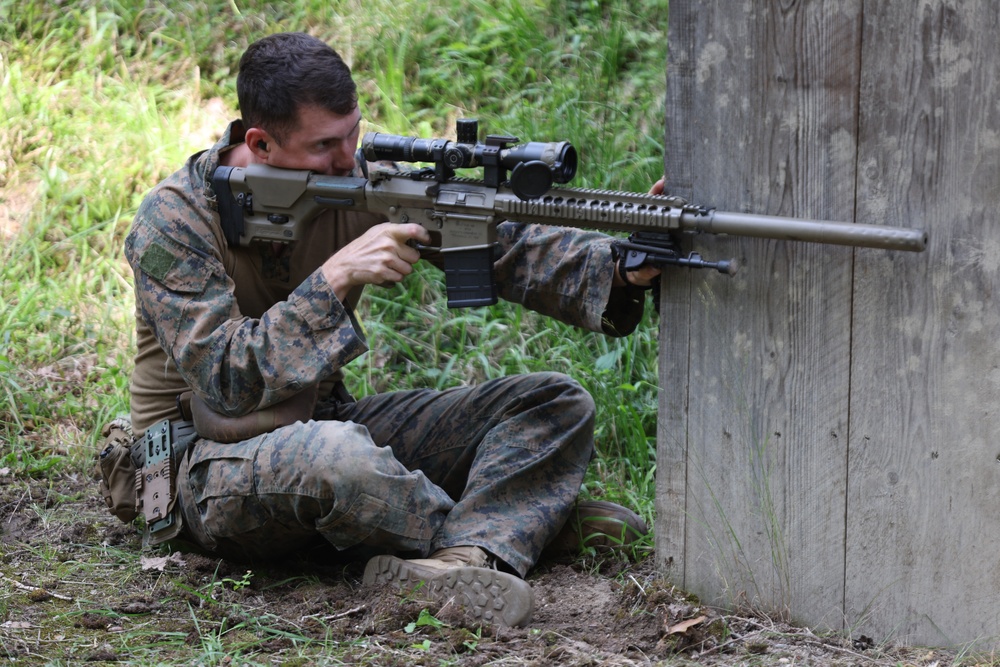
[558, 156]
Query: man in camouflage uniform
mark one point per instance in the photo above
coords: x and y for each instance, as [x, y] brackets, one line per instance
[476, 480]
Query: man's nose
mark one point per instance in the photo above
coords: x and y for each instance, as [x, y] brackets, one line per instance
[343, 157]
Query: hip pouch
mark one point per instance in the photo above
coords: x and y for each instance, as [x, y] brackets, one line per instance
[118, 470]
[137, 476]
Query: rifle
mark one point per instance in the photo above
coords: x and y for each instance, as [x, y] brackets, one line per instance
[261, 203]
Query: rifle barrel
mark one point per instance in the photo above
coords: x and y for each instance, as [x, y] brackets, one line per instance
[813, 231]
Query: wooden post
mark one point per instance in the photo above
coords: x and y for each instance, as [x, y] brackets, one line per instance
[826, 446]
[925, 457]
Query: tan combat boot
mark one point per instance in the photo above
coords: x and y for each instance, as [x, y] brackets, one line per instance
[459, 576]
[598, 525]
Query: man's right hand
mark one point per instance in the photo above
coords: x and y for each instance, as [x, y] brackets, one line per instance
[379, 256]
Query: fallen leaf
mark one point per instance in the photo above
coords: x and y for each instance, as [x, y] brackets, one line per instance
[16, 625]
[160, 562]
[684, 626]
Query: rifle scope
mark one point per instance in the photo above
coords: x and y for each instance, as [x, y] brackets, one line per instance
[534, 165]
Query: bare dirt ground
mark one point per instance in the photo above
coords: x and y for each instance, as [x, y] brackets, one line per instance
[77, 588]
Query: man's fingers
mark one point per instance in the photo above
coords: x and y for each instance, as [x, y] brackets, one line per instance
[384, 254]
[402, 264]
[643, 276]
[410, 231]
[408, 253]
[401, 240]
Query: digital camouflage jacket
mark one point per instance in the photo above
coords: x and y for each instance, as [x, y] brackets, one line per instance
[246, 328]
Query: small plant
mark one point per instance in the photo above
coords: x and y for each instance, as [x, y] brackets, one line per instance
[424, 620]
[229, 583]
[241, 583]
[472, 643]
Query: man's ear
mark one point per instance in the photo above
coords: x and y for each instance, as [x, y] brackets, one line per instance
[258, 142]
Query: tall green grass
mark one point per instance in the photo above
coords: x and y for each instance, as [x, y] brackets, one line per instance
[100, 100]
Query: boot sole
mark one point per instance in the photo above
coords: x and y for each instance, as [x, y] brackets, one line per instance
[484, 594]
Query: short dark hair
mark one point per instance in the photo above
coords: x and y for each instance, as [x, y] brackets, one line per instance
[283, 72]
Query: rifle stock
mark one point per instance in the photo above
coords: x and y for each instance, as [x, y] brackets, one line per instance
[261, 203]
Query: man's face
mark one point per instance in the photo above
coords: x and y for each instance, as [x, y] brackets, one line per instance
[324, 142]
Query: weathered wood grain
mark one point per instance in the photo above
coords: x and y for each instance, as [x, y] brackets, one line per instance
[923, 529]
[761, 116]
[828, 442]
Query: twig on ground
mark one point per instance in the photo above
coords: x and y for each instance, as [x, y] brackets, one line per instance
[32, 589]
[735, 640]
[336, 617]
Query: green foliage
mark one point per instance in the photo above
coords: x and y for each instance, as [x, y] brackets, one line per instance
[424, 620]
[100, 99]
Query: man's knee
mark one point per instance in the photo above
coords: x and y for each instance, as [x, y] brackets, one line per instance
[566, 395]
[578, 396]
[343, 462]
[377, 500]
[560, 414]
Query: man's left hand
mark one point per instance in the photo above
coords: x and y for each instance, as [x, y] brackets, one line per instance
[644, 275]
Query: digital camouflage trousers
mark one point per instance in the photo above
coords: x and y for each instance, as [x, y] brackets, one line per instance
[496, 466]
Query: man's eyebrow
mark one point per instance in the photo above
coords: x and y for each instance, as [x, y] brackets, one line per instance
[349, 133]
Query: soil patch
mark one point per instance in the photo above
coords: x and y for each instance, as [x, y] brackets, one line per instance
[78, 587]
